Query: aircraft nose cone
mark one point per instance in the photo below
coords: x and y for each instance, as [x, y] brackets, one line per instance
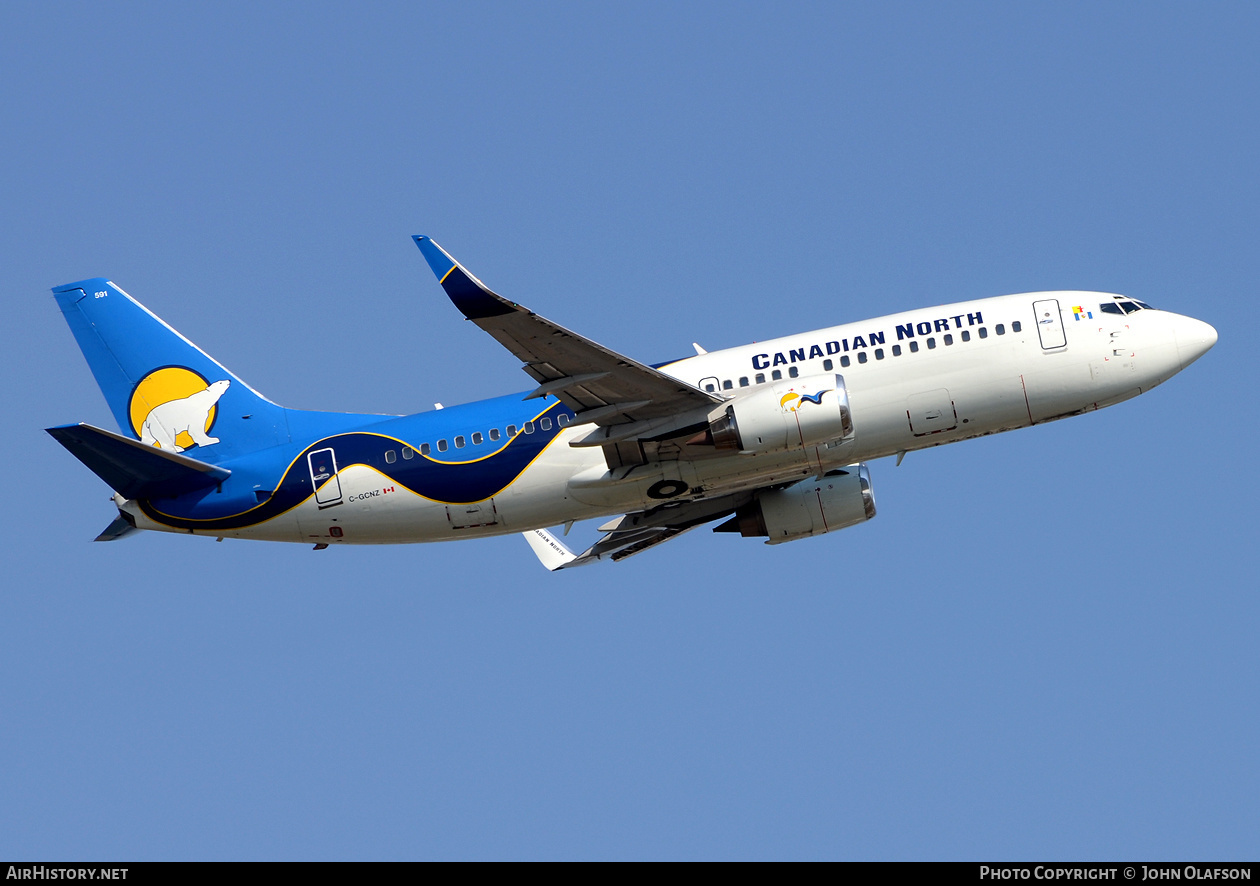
[1194, 339]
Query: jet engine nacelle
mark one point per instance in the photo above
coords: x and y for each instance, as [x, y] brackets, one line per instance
[790, 414]
[812, 507]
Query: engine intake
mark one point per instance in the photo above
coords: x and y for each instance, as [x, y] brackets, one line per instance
[785, 415]
[838, 500]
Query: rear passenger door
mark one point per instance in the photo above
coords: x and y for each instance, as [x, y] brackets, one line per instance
[324, 479]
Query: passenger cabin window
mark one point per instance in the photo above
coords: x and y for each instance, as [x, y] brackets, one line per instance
[476, 438]
[914, 347]
[761, 378]
[861, 356]
[743, 382]
[564, 418]
[442, 446]
[1000, 329]
[896, 350]
[931, 343]
[390, 456]
[984, 333]
[726, 385]
[845, 361]
[949, 339]
[828, 365]
[424, 449]
[459, 442]
[710, 387]
[776, 375]
[879, 353]
[966, 336]
[408, 452]
[793, 372]
[545, 423]
[529, 427]
[1016, 326]
[494, 434]
[511, 430]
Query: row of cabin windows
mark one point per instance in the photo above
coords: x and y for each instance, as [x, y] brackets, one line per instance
[493, 435]
[829, 364]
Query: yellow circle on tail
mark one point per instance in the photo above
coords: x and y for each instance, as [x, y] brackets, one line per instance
[162, 386]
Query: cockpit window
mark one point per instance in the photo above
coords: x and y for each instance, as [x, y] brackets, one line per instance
[1124, 306]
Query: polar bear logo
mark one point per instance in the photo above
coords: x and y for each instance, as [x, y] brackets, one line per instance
[190, 414]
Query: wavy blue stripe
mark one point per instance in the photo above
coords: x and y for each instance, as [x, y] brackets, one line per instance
[453, 483]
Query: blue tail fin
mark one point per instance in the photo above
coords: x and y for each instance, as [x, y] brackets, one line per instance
[163, 389]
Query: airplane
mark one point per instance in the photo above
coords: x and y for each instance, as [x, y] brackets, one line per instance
[772, 438]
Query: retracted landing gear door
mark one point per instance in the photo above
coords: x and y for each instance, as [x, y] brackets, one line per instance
[472, 515]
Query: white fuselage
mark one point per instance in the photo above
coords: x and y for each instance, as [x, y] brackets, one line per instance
[918, 379]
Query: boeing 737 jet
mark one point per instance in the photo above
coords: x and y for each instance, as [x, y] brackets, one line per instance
[771, 438]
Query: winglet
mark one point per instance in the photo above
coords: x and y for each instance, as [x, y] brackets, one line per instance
[435, 255]
[550, 550]
[473, 298]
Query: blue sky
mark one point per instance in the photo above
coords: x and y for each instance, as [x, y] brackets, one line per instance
[1044, 645]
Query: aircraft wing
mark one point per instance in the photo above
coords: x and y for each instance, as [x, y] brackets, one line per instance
[598, 384]
[634, 533]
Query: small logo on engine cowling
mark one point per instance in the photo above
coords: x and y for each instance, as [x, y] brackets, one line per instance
[792, 401]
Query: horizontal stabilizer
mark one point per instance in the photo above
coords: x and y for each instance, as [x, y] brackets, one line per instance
[134, 469]
[123, 525]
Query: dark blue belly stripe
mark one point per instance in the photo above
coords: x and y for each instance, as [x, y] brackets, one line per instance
[447, 482]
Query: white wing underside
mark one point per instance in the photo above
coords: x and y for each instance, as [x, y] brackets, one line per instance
[633, 533]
